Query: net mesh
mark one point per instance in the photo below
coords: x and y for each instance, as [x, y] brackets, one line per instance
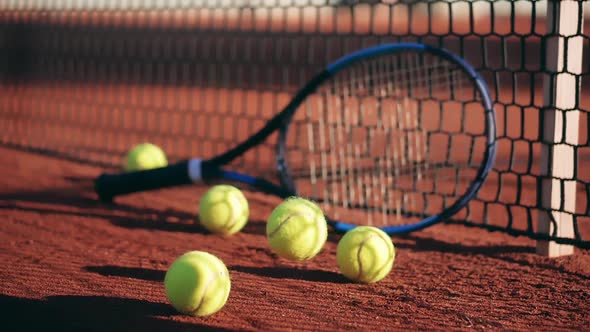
[86, 80]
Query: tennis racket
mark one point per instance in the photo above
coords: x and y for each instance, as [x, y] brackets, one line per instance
[398, 136]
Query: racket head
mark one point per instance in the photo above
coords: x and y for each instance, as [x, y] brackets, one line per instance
[398, 136]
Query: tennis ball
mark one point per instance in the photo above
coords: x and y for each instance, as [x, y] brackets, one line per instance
[197, 284]
[297, 229]
[145, 156]
[223, 209]
[365, 254]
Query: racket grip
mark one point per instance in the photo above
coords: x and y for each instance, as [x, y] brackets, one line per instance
[108, 186]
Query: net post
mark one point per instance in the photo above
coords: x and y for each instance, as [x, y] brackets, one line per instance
[560, 125]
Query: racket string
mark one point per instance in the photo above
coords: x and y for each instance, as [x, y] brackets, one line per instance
[377, 140]
[431, 80]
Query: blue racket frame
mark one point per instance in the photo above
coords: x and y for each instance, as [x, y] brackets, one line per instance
[196, 170]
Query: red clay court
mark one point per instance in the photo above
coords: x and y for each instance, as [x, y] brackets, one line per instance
[72, 263]
[83, 86]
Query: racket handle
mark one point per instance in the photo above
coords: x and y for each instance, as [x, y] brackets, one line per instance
[108, 186]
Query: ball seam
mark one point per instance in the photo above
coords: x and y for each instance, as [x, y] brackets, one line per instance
[202, 298]
[278, 228]
[358, 255]
[233, 217]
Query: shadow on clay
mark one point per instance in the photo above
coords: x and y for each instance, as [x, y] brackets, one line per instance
[92, 313]
[80, 200]
[292, 273]
[416, 243]
[522, 255]
[255, 227]
[269, 272]
[127, 272]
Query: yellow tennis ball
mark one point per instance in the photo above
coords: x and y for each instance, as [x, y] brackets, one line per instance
[365, 254]
[223, 210]
[197, 284]
[297, 229]
[145, 156]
